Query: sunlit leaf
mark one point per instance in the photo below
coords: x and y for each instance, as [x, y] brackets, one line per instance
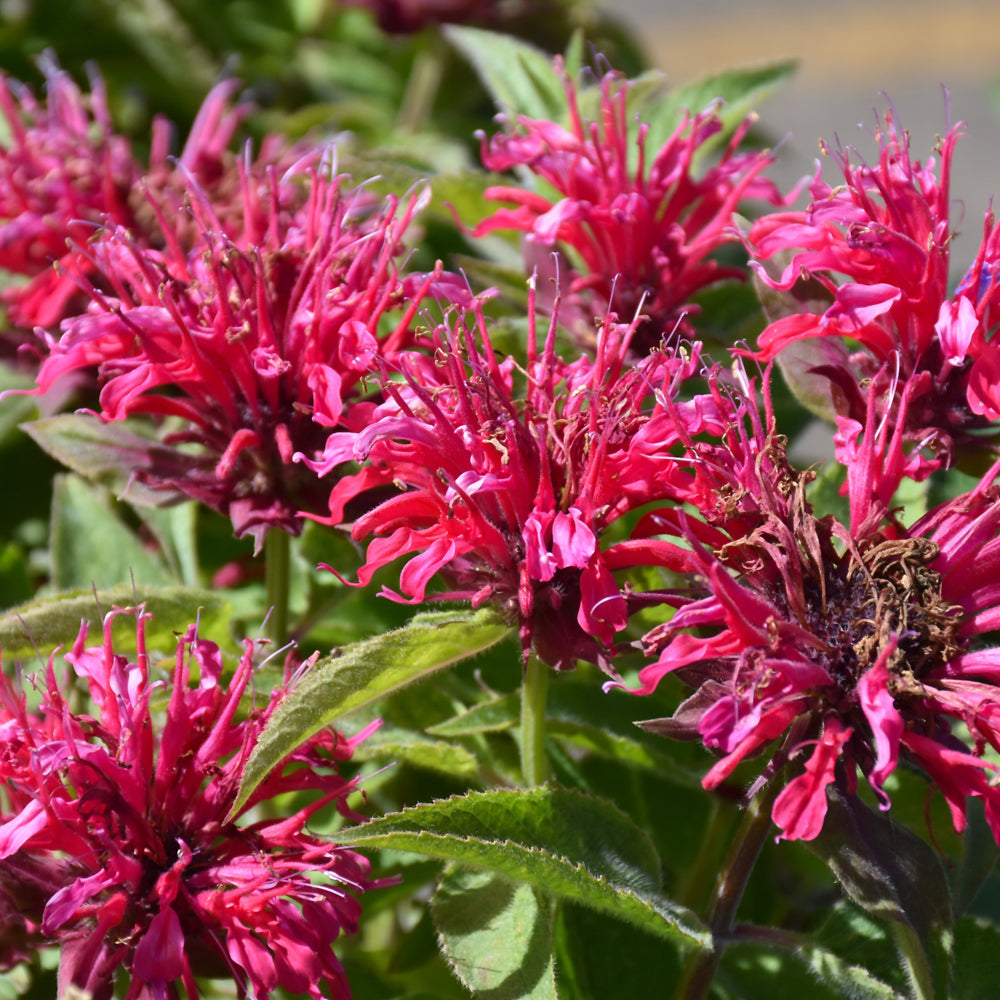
[92, 546]
[519, 77]
[496, 934]
[361, 674]
[563, 842]
[55, 621]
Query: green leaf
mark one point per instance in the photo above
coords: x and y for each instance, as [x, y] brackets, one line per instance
[581, 714]
[520, 78]
[105, 453]
[977, 944]
[14, 409]
[896, 876]
[741, 91]
[175, 528]
[492, 716]
[412, 748]
[55, 621]
[361, 674]
[562, 842]
[496, 934]
[979, 857]
[92, 546]
[781, 964]
[597, 956]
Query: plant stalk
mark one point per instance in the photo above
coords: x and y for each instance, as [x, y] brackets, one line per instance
[422, 86]
[534, 768]
[699, 970]
[277, 574]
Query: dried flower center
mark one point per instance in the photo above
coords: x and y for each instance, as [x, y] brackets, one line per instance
[890, 601]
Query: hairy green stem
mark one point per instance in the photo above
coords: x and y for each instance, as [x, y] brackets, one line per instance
[277, 571]
[698, 972]
[534, 769]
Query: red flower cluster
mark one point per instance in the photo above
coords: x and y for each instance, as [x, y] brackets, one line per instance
[858, 643]
[118, 844]
[509, 492]
[254, 344]
[65, 171]
[637, 232]
[879, 245]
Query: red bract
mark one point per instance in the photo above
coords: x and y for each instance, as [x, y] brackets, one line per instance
[123, 823]
[638, 231]
[253, 347]
[510, 493]
[65, 170]
[880, 245]
[856, 644]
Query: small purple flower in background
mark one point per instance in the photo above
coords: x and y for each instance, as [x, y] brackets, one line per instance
[509, 493]
[878, 247]
[636, 229]
[256, 346]
[117, 842]
[857, 644]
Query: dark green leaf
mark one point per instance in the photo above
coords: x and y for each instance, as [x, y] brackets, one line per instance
[789, 965]
[895, 875]
[361, 674]
[978, 860]
[977, 947]
[581, 714]
[597, 956]
[562, 842]
[496, 934]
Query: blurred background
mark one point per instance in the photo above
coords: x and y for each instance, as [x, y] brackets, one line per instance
[853, 55]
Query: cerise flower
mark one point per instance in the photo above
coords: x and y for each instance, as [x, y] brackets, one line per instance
[509, 491]
[119, 840]
[64, 169]
[878, 250]
[857, 643]
[637, 228]
[253, 346]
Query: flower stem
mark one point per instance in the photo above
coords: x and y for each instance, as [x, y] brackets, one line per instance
[422, 86]
[697, 975]
[277, 568]
[692, 889]
[536, 681]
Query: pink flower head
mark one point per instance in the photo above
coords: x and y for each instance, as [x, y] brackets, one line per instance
[407, 16]
[125, 819]
[855, 644]
[256, 345]
[509, 492]
[879, 246]
[65, 170]
[637, 231]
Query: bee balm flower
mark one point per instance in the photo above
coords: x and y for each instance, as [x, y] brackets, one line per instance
[637, 227]
[117, 834]
[855, 644]
[509, 493]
